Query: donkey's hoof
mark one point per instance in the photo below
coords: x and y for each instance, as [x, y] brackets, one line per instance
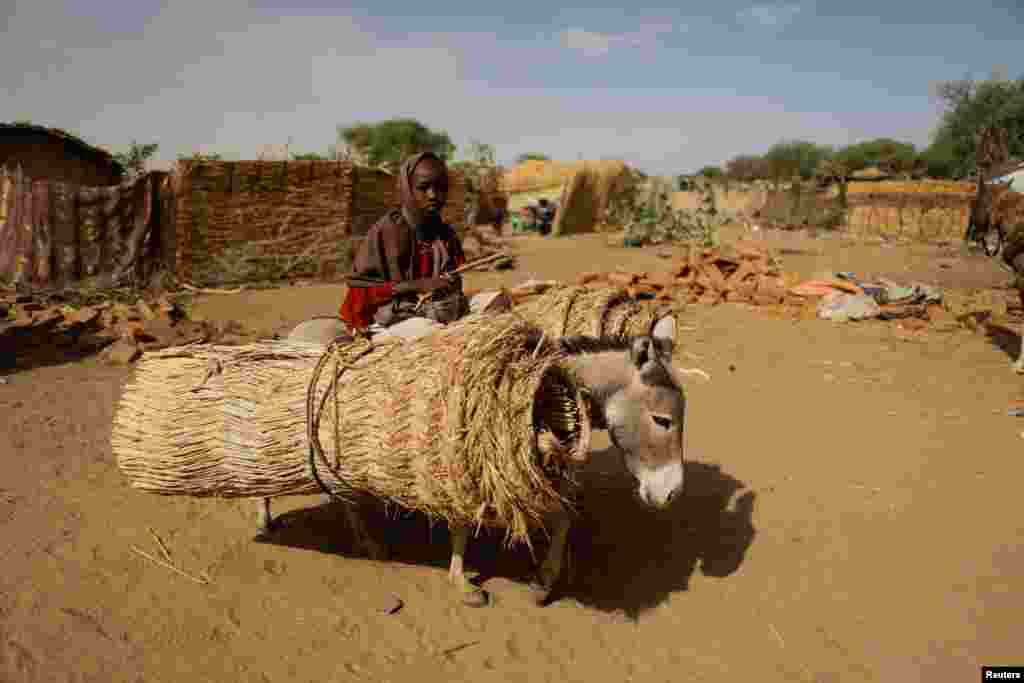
[541, 594]
[373, 550]
[379, 552]
[475, 597]
[470, 594]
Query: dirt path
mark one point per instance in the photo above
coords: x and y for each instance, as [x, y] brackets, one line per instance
[850, 516]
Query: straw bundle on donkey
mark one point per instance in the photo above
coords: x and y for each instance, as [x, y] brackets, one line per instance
[607, 312]
[477, 424]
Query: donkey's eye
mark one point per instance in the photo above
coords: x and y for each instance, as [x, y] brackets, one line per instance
[662, 422]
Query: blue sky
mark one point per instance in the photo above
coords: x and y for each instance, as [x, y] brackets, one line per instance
[666, 89]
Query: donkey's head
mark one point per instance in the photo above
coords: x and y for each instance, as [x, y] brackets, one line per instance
[640, 401]
[645, 417]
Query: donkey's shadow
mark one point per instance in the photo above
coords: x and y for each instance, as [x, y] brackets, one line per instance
[625, 557]
[1004, 338]
[629, 558]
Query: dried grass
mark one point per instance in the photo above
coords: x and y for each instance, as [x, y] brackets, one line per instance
[450, 425]
[605, 312]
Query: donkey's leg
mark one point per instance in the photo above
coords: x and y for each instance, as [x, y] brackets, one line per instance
[1018, 367]
[265, 521]
[472, 595]
[551, 569]
[364, 541]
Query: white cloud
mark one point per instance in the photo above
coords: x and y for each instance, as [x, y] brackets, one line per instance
[769, 16]
[588, 43]
[220, 77]
[593, 44]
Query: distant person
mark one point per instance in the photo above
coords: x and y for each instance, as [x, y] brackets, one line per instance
[547, 215]
[500, 214]
[532, 217]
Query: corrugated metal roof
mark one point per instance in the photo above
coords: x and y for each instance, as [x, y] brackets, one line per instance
[63, 135]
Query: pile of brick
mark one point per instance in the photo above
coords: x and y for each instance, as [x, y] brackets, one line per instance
[709, 276]
[64, 326]
[747, 273]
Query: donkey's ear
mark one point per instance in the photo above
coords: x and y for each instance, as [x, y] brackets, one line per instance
[640, 351]
[664, 334]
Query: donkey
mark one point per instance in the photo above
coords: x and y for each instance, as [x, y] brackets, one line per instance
[1013, 258]
[638, 397]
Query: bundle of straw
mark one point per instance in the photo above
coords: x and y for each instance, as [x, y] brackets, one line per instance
[474, 424]
[611, 312]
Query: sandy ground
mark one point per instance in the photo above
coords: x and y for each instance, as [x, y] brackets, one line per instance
[849, 516]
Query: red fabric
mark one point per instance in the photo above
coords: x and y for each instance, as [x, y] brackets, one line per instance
[361, 303]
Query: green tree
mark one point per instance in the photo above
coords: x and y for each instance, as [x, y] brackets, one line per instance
[971, 106]
[309, 156]
[747, 167]
[889, 155]
[790, 158]
[532, 156]
[939, 159]
[710, 172]
[199, 156]
[387, 143]
[480, 153]
[136, 158]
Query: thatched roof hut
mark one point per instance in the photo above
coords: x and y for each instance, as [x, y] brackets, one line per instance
[55, 154]
[586, 194]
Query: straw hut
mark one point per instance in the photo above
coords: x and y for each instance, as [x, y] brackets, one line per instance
[586, 195]
[54, 154]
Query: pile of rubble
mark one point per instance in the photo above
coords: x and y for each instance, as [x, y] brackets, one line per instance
[70, 324]
[709, 276]
[482, 241]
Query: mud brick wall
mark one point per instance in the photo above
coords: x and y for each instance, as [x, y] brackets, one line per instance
[280, 212]
[915, 215]
[375, 193]
[289, 217]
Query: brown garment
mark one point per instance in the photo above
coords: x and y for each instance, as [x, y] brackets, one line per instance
[389, 247]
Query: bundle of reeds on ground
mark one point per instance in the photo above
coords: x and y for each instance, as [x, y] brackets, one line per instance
[474, 424]
[606, 312]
